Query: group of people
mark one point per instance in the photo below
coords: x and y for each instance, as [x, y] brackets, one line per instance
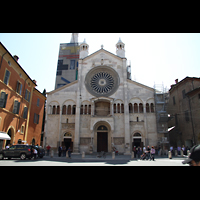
[147, 153]
[60, 151]
[63, 150]
[183, 148]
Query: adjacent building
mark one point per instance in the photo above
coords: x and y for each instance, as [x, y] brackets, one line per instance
[183, 107]
[67, 68]
[21, 104]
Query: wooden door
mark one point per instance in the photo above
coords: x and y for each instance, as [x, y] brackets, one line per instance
[102, 141]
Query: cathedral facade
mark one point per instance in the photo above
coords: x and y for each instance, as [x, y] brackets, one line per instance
[103, 108]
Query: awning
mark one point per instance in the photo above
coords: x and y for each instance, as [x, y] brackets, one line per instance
[169, 129]
[4, 136]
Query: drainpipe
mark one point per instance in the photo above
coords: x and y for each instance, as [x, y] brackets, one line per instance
[2, 58]
[194, 141]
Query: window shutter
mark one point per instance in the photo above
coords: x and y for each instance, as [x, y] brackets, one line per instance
[6, 78]
[17, 89]
[15, 107]
[18, 106]
[5, 100]
[20, 91]
[29, 96]
[34, 118]
[25, 113]
[2, 99]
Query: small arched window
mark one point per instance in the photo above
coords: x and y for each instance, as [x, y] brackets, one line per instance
[54, 110]
[114, 108]
[122, 108]
[58, 110]
[102, 128]
[147, 107]
[140, 108]
[137, 135]
[64, 110]
[135, 108]
[130, 108]
[152, 107]
[69, 110]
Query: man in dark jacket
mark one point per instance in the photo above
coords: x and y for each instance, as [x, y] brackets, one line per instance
[59, 150]
[148, 152]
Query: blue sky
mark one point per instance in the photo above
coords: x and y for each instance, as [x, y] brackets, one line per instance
[155, 57]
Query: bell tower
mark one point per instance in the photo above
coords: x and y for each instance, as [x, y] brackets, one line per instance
[74, 38]
[120, 51]
[84, 47]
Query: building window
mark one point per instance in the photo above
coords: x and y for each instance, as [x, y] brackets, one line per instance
[27, 95]
[130, 108]
[25, 112]
[122, 108]
[69, 110]
[174, 101]
[36, 118]
[187, 119]
[72, 64]
[19, 88]
[152, 107]
[183, 93]
[22, 129]
[6, 78]
[141, 108]
[147, 107]
[58, 110]
[135, 108]
[3, 99]
[176, 119]
[38, 102]
[59, 73]
[16, 107]
[64, 110]
[54, 110]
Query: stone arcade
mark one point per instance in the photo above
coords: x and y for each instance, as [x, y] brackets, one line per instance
[103, 108]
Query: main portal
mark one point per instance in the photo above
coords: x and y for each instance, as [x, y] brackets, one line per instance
[102, 141]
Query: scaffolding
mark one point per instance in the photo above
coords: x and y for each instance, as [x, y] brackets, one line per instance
[161, 96]
[129, 69]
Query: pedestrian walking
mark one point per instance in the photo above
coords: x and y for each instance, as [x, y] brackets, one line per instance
[148, 153]
[144, 149]
[64, 151]
[35, 153]
[69, 152]
[59, 150]
[139, 152]
[134, 150]
[48, 149]
[171, 149]
[152, 153]
[179, 150]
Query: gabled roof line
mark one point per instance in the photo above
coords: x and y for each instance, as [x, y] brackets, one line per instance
[103, 50]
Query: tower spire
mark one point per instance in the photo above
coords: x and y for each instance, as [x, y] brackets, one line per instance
[74, 38]
[120, 48]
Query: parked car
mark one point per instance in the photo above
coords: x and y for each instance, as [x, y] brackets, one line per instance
[16, 151]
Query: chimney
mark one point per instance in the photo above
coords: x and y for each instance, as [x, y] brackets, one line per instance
[35, 82]
[16, 58]
[176, 81]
